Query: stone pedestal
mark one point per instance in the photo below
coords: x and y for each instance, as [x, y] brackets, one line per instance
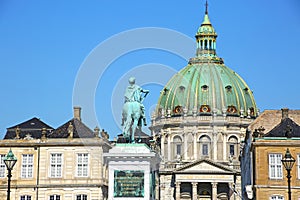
[132, 172]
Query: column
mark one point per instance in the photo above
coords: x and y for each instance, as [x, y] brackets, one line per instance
[169, 147]
[177, 190]
[215, 146]
[162, 146]
[195, 194]
[214, 191]
[195, 147]
[185, 149]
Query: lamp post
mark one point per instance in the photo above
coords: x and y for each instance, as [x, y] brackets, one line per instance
[10, 161]
[288, 162]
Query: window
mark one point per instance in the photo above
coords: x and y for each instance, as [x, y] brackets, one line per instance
[276, 198]
[82, 164]
[81, 197]
[56, 165]
[275, 166]
[178, 149]
[177, 144]
[54, 197]
[27, 166]
[2, 166]
[205, 149]
[231, 149]
[233, 146]
[25, 197]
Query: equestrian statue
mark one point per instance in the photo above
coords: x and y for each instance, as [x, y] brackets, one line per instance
[133, 114]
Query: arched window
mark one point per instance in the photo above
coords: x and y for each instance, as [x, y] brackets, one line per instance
[205, 146]
[233, 146]
[177, 147]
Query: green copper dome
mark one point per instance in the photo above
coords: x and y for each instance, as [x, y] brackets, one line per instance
[206, 85]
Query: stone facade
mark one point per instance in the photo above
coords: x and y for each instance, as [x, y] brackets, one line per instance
[35, 178]
[212, 143]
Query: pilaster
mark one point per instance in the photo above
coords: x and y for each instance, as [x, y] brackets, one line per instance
[178, 190]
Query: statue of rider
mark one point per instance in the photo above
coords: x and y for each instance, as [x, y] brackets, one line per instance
[134, 94]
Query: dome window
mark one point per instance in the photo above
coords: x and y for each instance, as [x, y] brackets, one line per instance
[231, 109]
[246, 89]
[228, 88]
[178, 110]
[204, 109]
[204, 88]
[182, 88]
[165, 91]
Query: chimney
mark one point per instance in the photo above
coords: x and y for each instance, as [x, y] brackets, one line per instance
[285, 113]
[77, 112]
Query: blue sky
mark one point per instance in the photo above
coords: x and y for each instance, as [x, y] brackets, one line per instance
[44, 45]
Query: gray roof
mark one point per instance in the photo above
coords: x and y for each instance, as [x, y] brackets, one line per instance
[286, 128]
[80, 130]
[32, 127]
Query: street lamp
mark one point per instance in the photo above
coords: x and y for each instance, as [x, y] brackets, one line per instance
[10, 161]
[288, 162]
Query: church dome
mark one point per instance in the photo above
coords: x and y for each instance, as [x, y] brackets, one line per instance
[206, 86]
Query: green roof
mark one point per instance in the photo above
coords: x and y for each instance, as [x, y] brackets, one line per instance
[206, 85]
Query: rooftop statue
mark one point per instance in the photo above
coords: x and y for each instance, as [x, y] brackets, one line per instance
[133, 110]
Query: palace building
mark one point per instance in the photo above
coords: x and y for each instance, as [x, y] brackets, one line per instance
[267, 140]
[55, 164]
[201, 119]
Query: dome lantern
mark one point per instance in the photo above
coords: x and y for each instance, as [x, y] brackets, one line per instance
[206, 37]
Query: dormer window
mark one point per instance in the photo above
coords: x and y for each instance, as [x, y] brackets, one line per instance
[228, 88]
[165, 91]
[181, 88]
[246, 89]
[204, 88]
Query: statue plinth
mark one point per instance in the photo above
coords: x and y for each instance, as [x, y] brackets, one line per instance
[132, 172]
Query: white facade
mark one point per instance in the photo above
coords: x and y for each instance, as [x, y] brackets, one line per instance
[200, 156]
